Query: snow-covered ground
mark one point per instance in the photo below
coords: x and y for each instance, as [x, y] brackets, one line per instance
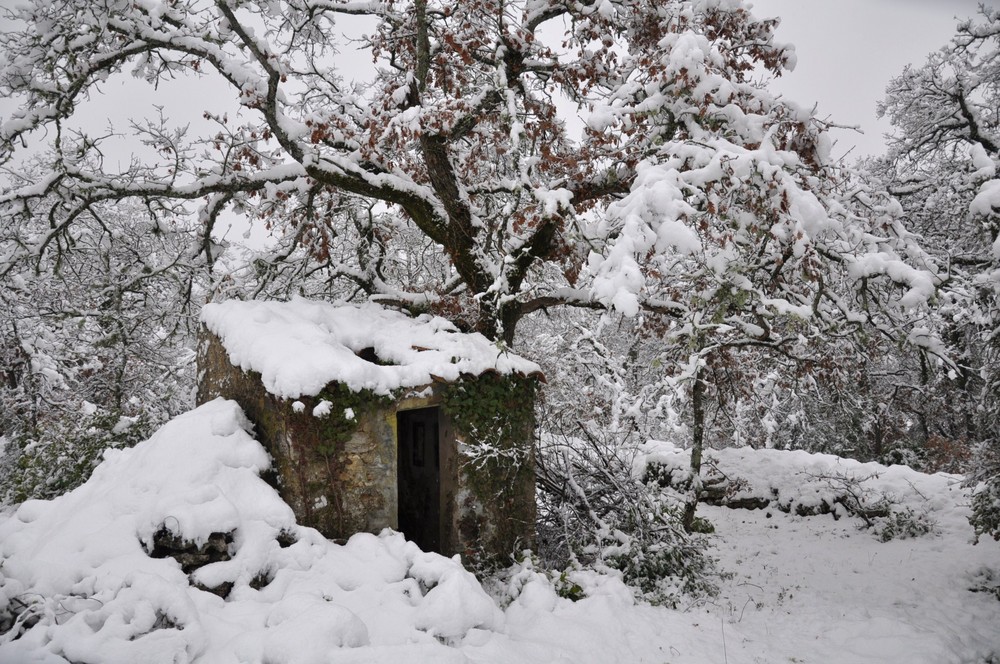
[815, 590]
[76, 572]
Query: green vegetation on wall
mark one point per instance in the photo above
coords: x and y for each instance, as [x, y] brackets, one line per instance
[495, 417]
[345, 409]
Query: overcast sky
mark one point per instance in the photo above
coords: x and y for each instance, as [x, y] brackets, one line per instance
[848, 50]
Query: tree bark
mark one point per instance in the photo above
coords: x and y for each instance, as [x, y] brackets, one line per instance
[697, 441]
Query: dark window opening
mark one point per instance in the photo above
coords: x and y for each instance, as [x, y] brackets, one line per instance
[369, 355]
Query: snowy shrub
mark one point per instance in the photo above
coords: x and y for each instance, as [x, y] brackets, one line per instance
[986, 509]
[901, 523]
[65, 455]
[599, 509]
[985, 580]
[567, 588]
[986, 496]
[654, 553]
[878, 510]
[507, 584]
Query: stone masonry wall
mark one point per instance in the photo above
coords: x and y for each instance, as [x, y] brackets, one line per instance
[338, 486]
[340, 476]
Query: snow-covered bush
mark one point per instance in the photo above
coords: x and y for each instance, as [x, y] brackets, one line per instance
[901, 523]
[986, 496]
[656, 555]
[65, 455]
[599, 510]
[878, 510]
[986, 580]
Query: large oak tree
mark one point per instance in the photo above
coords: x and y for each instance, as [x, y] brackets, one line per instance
[549, 151]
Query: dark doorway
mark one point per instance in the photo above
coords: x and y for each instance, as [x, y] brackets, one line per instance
[419, 473]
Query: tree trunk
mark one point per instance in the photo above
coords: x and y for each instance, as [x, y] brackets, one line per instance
[697, 440]
[923, 426]
[498, 323]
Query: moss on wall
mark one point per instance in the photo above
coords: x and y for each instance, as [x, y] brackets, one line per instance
[494, 420]
[348, 463]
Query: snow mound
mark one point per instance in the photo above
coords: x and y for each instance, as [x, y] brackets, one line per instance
[83, 575]
[300, 346]
[807, 484]
[176, 551]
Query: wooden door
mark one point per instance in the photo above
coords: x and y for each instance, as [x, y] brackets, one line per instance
[419, 474]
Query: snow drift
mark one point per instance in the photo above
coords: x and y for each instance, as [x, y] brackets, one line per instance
[80, 580]
[79, 572]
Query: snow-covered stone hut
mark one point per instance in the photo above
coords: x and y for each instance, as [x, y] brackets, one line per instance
[375, 419]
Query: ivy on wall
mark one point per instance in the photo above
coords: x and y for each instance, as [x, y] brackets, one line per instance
[495, 417]
[344, 409]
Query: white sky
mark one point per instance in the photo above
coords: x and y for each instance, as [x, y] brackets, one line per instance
[848, 50]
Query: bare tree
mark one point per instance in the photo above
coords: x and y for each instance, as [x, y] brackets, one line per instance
[942, 165]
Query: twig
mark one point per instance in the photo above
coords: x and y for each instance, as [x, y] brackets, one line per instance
[725, 654]
[747, 583]
[749, 599]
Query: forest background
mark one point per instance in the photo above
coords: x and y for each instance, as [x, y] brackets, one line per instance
[612, 188]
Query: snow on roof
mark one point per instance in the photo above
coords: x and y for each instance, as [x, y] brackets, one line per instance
[299, 347]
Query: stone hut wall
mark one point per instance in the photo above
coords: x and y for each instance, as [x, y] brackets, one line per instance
[337, 473]
[491, 516]
[492, 420]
